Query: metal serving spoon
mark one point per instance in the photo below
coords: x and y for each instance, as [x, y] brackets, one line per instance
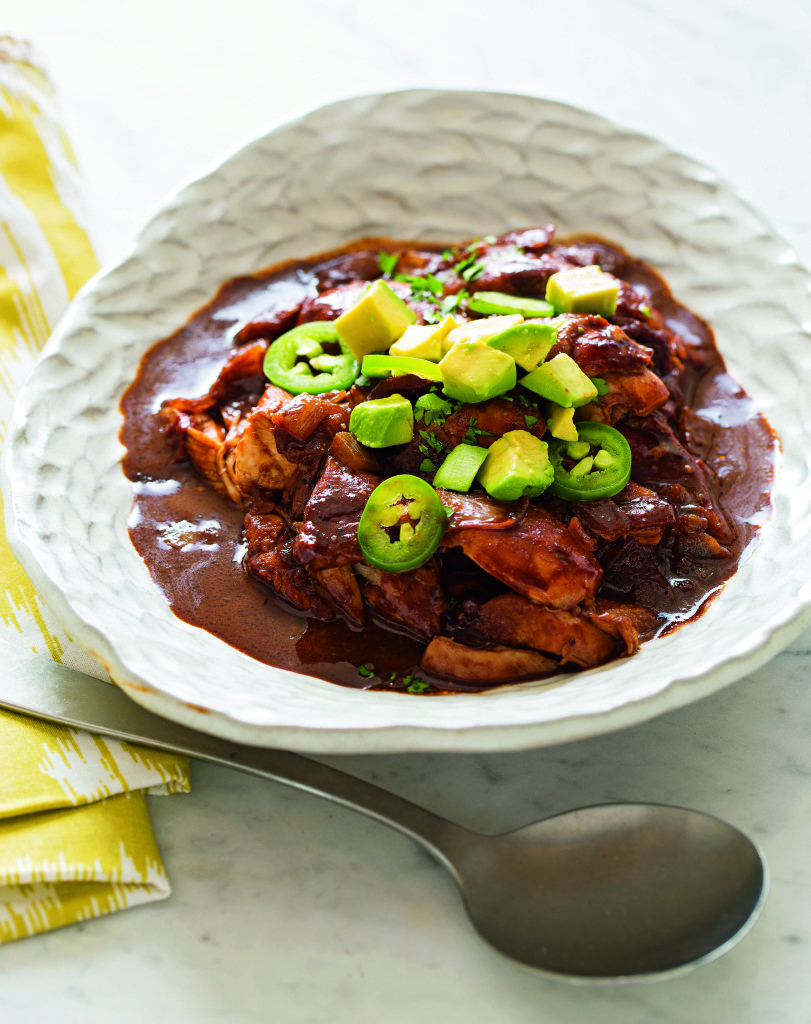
[612, 891]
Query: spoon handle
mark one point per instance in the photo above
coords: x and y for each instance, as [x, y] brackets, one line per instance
[35, 685]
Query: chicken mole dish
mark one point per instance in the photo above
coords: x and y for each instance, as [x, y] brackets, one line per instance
[429, 469]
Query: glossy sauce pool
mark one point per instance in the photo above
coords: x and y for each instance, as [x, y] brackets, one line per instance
[198, 568]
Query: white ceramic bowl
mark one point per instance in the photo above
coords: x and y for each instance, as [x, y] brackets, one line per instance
[418, 164]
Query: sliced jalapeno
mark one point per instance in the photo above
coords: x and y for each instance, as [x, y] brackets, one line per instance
[298, 363]
[383, 366]
[402, 524]
[597, 465]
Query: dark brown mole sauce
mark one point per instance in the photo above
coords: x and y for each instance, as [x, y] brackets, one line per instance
[203, 580]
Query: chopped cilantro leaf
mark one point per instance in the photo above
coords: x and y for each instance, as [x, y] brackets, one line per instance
[365, 670]
[431, 409]
[450, 302]
[387, 261]
[530, 420]
[433, 284]
[426, 466]
[473, 432]
[418, 686]
[600, 384]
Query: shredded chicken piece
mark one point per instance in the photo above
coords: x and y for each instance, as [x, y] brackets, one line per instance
[342, 586]
[270, 558]
[446, 658]
[638, 393]
[413, 599]
[538, 558]
[255, 462]
[512, 619]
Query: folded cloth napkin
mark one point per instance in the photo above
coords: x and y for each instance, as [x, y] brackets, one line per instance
[75, 836]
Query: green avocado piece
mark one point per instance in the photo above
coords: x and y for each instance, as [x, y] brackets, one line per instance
[480, 330]
[502, 304]
[561, 422]
[377, 319]
[562, 381]
[383, 422]
[528, 343]
[583, 290]
[474, 372]
[424, 341]
[517, 464]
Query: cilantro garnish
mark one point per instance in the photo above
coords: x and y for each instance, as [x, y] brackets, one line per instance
[450, 302]
[387, 261]
[473, 432]
[432, 409]
[416, 685]
[530, 420]
[426, 466]
[431, 441]
[366, 670]
[600, 384]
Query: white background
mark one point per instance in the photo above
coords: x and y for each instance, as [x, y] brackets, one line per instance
[289, 910]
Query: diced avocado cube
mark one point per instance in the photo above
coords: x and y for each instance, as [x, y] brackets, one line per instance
[583, 290]
[500, 303]
[480, 330]
[424, 341]
[474, 372]
[459, 469]
[517, 464]
[562, 381]
[528, 344]
[383, 422]
[560, 421]
[377, 319]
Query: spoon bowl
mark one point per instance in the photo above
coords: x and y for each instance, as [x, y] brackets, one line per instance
[612, 891]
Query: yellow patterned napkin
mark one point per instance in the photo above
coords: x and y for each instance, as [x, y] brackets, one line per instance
[75, 836]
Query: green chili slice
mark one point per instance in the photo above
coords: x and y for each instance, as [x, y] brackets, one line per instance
[402, 524]
[298, 362]
[599, 472]
[500, 304]
[382, 366]
[459, 469]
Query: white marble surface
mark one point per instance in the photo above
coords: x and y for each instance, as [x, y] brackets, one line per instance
[286, 908]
